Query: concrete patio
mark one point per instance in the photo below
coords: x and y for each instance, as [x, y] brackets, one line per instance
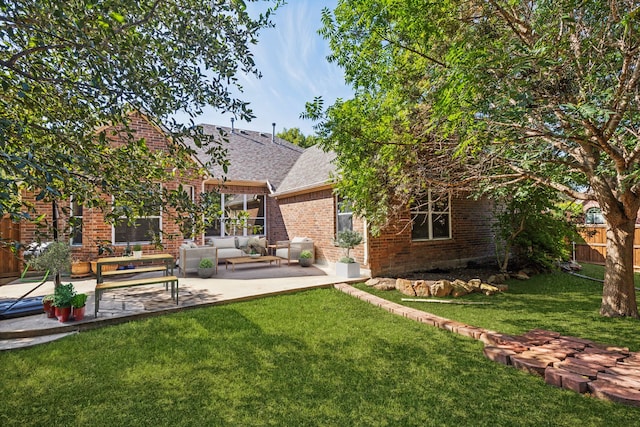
[122, 305]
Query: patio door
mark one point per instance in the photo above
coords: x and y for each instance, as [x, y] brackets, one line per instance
[9, 263]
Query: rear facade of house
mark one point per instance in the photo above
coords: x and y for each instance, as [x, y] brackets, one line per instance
[288, 193]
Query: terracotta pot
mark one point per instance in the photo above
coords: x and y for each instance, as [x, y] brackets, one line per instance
[63, 313]
[80, 268]
[46, 306]
[78, 313]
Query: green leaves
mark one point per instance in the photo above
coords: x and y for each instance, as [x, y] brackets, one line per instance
[70, 68]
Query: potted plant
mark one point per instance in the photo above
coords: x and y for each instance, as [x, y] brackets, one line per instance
[55, 257]
[78, 304]
[62, 296]
[104, 248]
[206, 268]
[347, 266]
[305, 258]
[137, 250]
[80, 268]
[47, 305]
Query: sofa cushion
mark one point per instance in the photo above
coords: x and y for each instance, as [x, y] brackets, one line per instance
[224, 243]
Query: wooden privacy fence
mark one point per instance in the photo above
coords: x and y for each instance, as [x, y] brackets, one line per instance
[9, 264]
[594, 247]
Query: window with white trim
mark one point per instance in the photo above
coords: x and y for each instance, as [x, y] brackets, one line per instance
[142, 229]
[242, 215]
[431, 217]
[344, 215]
[75, 221]
[594, 216]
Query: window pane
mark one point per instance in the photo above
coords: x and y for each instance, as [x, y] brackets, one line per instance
[213, 229]
[440, 226]
[76, 232]
[594, 216]
[420, 228]
[345, 222]
[440, 202]
[255, 205]
[142, 231]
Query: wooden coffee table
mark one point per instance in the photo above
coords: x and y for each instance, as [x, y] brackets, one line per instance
[249, 259]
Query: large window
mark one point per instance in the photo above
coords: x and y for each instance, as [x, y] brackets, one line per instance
[431, 217]
[242, 215]
[143, 229]
[344, 215]
[76, 223]
[594, 216]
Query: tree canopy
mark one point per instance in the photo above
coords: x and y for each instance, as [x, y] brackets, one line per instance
[474, 95]
[295, 136]
[69, 69]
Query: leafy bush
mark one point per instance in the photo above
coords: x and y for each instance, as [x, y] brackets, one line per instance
[79, 300]
[206, 263]
[306, 254]
[533, 225]
[63, 295]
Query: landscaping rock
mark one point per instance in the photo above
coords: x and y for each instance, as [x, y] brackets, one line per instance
[382, 283]
[459, 289]
[421, 288]
[405, 287]
[488, 289]
[441, 288]
[521, 275]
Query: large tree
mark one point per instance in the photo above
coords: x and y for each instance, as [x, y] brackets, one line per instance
[69, 69]
[463, 93]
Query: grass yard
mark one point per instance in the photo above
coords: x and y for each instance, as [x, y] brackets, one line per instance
[315, 358]
[559, 302]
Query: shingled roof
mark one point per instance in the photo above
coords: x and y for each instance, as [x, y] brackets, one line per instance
[312, 169]
[252, 156]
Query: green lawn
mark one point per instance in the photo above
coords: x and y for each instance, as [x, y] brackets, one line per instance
[560, 302]
[315, 358]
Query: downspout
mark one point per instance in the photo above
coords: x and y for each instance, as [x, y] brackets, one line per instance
[366, 242]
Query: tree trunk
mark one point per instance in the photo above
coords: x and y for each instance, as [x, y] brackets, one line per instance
[619, 294]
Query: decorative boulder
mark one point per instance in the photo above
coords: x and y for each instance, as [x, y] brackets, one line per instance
[405, 287]
[489, 289]
[382, 283]
[458, 289]
[441, 288]
[421, 288]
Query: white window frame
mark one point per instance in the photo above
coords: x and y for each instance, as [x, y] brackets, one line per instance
[142, 242]
[252, 219]
[342, 202]
[427, 208]
[72, 228]
[591, 214]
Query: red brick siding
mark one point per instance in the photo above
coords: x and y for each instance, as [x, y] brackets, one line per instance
[313, 215]
[393, 252]
[94, 226]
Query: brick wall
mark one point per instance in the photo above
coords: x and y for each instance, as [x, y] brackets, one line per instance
[94, 226]
[313, 215]
[393, 252]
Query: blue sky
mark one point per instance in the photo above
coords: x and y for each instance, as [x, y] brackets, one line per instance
[292, 59]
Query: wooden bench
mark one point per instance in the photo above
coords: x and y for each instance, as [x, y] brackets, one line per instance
[101, 287]
[134, 270]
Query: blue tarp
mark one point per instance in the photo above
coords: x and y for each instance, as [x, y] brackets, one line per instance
[26, 307]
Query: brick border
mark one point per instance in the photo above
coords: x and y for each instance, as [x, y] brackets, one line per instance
[584, 366]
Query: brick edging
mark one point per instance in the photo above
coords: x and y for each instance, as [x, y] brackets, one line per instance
[584, 366]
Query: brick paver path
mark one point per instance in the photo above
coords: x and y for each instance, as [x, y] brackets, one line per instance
[605, 372]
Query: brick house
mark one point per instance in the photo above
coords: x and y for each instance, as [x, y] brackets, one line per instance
[289, 193]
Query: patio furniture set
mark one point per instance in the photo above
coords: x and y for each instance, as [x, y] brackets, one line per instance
[237, 250]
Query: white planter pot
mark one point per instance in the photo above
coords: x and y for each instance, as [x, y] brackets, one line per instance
[349, 270]
[137, 254]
